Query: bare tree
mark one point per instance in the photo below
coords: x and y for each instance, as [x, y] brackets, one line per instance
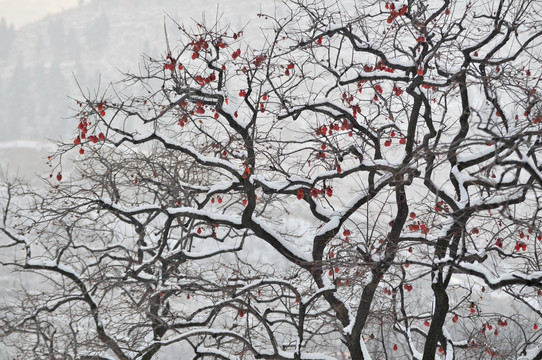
[362, 184]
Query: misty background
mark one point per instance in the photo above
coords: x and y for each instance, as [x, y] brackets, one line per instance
[52, 51]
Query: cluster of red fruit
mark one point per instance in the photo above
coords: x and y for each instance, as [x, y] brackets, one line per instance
[101, 109]
[246, 173]
[346, 233]
[199, 108]
[205, 80]
[428, 87]
[333, 270]
[197, 46]
[218, 199]
[321, 155]
[424, 229]
[314, 192]
[347, 99]
[520, 246]
[388, 142]
[183, 121]
[83, 128]
[381, 66]
[170, 63]
[200, 230]
[488, 327]
[236, 54]
[289, 67]
[324, 130]
[387, 291]
[491, 353]
[221, 44]
[441, 207]
[259, 60]
[394, 13]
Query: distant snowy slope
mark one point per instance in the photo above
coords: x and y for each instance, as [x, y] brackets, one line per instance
[93, 43]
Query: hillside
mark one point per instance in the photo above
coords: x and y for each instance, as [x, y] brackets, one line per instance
[40, 63]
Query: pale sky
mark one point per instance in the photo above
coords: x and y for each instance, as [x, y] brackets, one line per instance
[22, 12]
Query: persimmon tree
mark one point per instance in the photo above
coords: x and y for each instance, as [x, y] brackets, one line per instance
[364, 183]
